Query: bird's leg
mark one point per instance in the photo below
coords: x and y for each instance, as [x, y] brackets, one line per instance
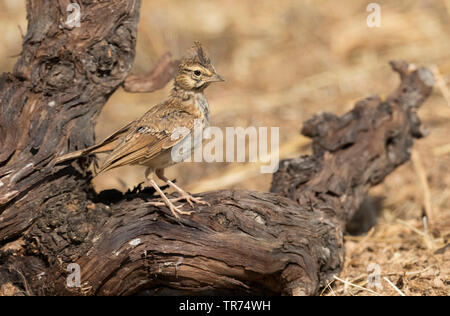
[163, 203]
[183, 194]
[174, 209]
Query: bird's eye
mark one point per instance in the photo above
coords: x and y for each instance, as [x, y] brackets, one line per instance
[197, 73]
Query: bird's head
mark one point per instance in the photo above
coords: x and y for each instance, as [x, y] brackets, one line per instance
[195, 71]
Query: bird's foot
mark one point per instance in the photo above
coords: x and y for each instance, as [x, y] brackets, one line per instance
[176, 210]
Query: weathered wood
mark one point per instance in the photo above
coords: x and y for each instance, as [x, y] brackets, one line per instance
[358, 150]
[287, 241]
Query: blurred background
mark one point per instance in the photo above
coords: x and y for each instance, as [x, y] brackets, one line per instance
[284, 61]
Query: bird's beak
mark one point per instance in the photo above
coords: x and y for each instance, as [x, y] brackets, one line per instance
[216, 78]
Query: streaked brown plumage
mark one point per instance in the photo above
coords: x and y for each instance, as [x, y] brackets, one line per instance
[148, 140]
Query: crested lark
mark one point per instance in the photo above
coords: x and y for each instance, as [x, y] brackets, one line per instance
[149, 140]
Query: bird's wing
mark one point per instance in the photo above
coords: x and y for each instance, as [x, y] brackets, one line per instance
[159, 129]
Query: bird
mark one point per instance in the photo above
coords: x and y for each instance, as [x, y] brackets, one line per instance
[149, 140]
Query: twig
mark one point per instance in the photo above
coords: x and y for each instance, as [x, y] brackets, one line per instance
[441, 150]
[416, 272]
[441, 83]
[359, 246]
[328, 286]
[163, 72]
[421, 233]
[357, 286]
[447, 6]
[426, 237]
[28, 290]
[394, 287]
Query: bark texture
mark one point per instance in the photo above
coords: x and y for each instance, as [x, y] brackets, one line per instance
[287, 241]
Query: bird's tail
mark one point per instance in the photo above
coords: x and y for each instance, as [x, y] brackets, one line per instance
[107, 145]
[96, 149]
